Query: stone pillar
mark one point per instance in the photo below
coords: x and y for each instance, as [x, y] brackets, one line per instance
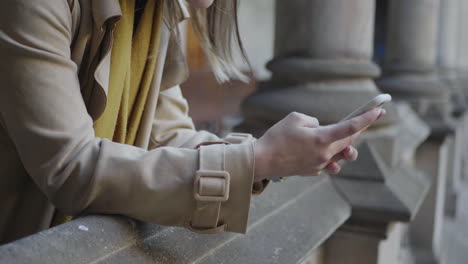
[463, 78]
[426, 229]
[410, 62]
[322, 65]
[448, 51]
[462, 178]
[454, 158]
[454, 247]
[420, 62]
[460, 171]
[449, 54]
[323, 68]
[462, 44]
[464, 143]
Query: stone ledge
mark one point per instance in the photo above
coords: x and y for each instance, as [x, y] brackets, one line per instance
[287, 222]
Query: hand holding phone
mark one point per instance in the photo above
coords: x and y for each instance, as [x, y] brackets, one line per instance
[308, 147]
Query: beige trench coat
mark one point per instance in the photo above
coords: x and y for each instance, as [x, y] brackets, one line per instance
[54, 72]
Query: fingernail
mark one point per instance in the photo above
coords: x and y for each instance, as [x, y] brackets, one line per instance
[382, 113]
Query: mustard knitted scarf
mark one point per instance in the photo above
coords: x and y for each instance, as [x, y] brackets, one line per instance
[133, 62]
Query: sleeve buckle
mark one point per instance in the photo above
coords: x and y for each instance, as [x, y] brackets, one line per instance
[211, 186]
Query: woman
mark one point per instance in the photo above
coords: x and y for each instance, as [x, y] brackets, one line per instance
[93, 120]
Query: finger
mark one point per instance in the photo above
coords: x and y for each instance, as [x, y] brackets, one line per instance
[341, 144]
[303, 120]
[337, 157]
[333, 167]
[350, 153]
[350, 127]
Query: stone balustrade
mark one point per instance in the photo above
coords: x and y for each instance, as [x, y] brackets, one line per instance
[287, 223]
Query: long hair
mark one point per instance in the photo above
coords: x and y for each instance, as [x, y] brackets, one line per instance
[217, 28]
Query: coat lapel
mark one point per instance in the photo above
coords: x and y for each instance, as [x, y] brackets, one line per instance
[104, 10]
[105, 14]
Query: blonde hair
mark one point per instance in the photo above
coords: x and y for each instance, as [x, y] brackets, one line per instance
[218, 31]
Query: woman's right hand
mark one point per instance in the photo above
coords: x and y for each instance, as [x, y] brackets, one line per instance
[298, 145]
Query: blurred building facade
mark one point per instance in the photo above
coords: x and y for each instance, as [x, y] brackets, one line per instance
[403, 201]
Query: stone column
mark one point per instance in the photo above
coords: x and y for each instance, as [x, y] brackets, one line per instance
[419, 67]
[462, 52]
[463, 79]
[463, 141]
[454, 246]
[448, 51]
[427, 228]
[453, 62]
[452, 58]
[410, 62]
[462, 178]
[322, 65]
[323, 68]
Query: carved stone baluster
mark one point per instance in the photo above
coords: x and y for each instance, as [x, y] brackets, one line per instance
[448, 52]
[322, 64]
[419, 68]
[322, 67]
[410, 62]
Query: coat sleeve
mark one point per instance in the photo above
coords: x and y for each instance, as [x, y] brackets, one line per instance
[45, 116]
[172, 126]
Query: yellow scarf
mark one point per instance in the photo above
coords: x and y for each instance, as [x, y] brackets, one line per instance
[133, 62]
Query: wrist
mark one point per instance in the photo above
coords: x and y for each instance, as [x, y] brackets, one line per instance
[261, 162]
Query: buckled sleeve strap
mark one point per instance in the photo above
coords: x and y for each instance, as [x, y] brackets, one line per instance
[222, 188]
[211, 187]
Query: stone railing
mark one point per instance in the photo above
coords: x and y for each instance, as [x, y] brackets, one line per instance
[287, 223]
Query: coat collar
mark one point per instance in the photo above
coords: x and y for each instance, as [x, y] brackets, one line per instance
[103, 10]
[105, 13]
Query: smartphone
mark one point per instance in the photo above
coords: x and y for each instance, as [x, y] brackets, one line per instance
[379, 100]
